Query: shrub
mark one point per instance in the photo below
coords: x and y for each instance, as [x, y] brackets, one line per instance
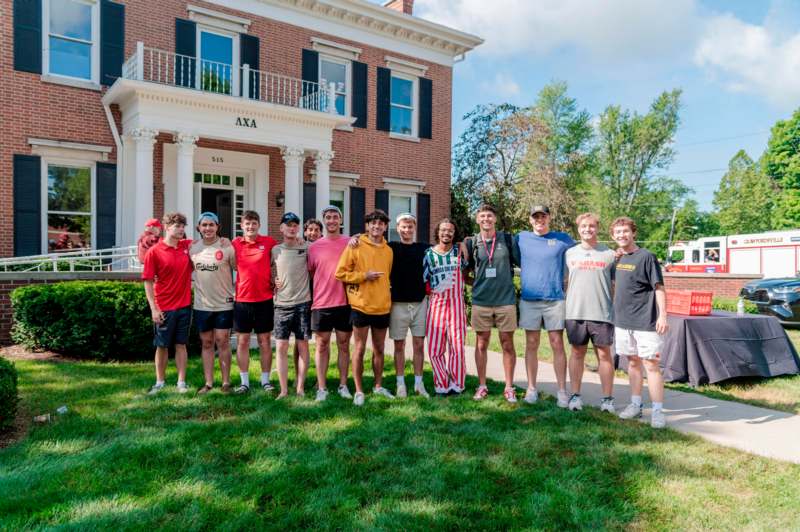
[730, 303]
[8, 394]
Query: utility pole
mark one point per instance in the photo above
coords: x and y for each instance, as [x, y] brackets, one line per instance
[672, 228]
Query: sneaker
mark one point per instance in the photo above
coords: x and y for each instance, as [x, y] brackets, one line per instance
[631, 411]
[657, 419]
[401, 391]
[182, 387]
[268, 387]
[321, 395]
[510, 394]
[575, 402]
[531, 396]
[562, 399]
[380, 390]
[242, 389]
[420, 390]
[481, 393]
[607, 405]
[154, 389]
[204, 389]
[344, 392]
[358, 400]
[226, 388]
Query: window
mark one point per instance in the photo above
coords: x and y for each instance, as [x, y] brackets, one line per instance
[337, 71]
[338, 198]
[403, 105]
[69, 208]
[398, 204]
[71, 36]
[217, 67]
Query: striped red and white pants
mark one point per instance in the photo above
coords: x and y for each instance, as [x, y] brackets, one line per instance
[446, 329]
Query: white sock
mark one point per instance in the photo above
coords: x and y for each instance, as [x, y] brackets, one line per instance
[636, 400]
[264, 378]
[181, 382]
[658, 406]
[417, 380]
[401, 381]
[160, 383]
[245, 379]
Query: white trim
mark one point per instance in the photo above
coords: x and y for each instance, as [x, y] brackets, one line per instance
[338, 178]
[400, 192]
[71, 82]
[344, 51]
[69, 150]
[403, 185]
[401, 65]
[217, 19]
[69, 163]
[414, 102]
[94, 76]
[234, 37]
[400, 136]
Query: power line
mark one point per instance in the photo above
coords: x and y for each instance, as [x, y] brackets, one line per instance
[720, 139]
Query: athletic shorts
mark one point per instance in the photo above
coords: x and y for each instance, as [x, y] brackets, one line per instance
[644, 344]
[328, 319]
[207, 320]
[253, 317]
[504, 317]
[547, 315]
[293, 320]
[579, 332]
[405, 316]
[174, 330]
[376, 321]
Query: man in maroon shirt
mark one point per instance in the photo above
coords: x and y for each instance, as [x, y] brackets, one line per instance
[167, 279]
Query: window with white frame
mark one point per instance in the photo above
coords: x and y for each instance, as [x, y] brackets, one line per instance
[68, 217]
[338, 197]
[218, 60]
[399, 203]
[337, 71]
[403, 117]
[71, 38]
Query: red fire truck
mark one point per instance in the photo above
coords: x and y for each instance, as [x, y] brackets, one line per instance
[771, 254]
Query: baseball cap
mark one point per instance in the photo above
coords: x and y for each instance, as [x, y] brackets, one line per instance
[290, 217]
[153, 222]
[331, 208]
[210, 215]
[540, 208]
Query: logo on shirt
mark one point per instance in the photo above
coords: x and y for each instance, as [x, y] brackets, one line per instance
[261, 246]
[628, 267]
[218, 255]
[551, 242]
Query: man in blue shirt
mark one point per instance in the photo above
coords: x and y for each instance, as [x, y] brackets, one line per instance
[542, 265]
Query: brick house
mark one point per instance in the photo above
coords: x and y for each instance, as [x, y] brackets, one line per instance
[114, 112]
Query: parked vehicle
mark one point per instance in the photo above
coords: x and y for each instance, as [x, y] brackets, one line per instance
[776, 297]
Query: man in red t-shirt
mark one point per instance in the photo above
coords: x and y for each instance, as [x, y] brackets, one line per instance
[253, 308]
[167, 279]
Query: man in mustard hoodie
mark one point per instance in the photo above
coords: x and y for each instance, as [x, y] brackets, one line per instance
[365, 272]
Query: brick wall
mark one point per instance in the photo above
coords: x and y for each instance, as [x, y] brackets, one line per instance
[721, 284]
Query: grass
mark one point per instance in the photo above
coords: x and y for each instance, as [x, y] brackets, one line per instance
[122, 460]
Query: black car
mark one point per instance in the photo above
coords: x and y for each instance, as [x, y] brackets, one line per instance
[776, 297]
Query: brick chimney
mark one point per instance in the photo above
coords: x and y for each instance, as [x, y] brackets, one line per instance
[404, 6]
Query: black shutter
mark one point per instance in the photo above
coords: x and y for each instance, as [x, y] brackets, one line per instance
[359, 98]
[249, 54]
[423, 218]
[382, 200]
[310, 71]
[425, 108]
[112, 41]
[309, 201]
[27, 205]
[383, 105]
[185, 45]
[357, 207]
[106, 206]
[28, 36]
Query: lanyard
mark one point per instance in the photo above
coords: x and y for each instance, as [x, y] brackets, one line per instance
[488, 251]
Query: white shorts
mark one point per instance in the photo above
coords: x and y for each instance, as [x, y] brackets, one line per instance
[407, 316]
[644, 344]
[533, 315]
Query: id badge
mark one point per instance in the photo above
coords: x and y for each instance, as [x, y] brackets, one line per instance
[491, 272]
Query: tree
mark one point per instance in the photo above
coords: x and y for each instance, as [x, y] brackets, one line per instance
[781, 162]
[744, 201]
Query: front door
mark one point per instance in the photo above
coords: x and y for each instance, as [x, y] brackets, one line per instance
[223, 194]
[220, 202]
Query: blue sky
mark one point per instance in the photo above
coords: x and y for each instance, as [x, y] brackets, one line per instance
[738, 63]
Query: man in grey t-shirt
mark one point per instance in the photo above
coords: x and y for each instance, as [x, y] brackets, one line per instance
[589, 314]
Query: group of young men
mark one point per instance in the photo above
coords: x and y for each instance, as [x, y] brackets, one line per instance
[329, 284]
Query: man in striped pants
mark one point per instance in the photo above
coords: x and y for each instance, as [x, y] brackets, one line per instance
[446, 324]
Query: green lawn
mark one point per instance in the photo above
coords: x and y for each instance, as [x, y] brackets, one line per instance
[122, 460]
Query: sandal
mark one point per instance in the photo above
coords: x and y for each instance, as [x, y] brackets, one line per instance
[242, 389]
[204, 389]
[226, 388]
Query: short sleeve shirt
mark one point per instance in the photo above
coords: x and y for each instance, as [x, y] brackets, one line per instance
[171, 268]
[636, 276]
[591, 272]
[253, 278]
[488, 291]
[213, 276]
[291, 271]
[323, 257]
[542, 264]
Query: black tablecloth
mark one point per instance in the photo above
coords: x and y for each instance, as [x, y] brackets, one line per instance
[708, 349]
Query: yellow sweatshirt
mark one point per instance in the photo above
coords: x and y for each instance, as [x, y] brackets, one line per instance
[370, 297]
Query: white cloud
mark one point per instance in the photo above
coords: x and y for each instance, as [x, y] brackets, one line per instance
[502, 86]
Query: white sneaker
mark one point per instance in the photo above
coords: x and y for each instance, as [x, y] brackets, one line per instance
[401, 391]
[531, 396]
[657, 419]
[420, 390]
[344, 392]
[321, 395]
[358, 400]
[510, 394]
[575, 402]
[380, 390]
[607, 405]
[154, 389]
[562, 399]
[631, 411]
[182, 387]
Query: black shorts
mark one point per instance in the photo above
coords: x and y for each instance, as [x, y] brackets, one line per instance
[328, 319]
[376, 321]
[207, 320]
[293, 320]
[253, 317]
[174, 330]
[579, 332]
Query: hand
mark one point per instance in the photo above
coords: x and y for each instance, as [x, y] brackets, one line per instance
[371, 276]
[158, 316]
[662, 325]
[618, 253]
[353, 243]
[225, 242]
[278, 284]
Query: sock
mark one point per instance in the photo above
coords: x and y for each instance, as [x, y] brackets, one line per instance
[636, 399]
[264, 378]
[160, 383]
[245, 379]
[417, 380]
[181, 382]
[658, 406]
[401, 381]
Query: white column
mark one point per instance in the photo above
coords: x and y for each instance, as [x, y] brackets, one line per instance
[293, 156]
[185, 178]
[322, 160]
[144, 140]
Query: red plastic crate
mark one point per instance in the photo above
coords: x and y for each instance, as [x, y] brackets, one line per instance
[689, 302]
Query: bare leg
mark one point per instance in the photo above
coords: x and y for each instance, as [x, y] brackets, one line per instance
[378, 341]
[243, 352]
[399, 356]
[532, 356]
[322, 356]
[418, 344]
[559, 357]
[282, 347]
[655, 381]
[635, 374]
[360, 334]
[343, 347]
[481, 345]
[295, 356]
[207, 353]
[162, 356]
[605, 367]
[509, 356]
[265, 349]
[181, 360]
[301, 348]
[576, 364]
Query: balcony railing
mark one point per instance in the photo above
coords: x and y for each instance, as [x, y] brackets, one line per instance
[93, 260]
[168, 68]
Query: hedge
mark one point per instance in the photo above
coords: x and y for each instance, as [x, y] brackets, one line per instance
[8, 394]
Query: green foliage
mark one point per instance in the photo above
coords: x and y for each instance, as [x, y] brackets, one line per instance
[730, 303]
[744, 201]
[781, 162]
[8, 394]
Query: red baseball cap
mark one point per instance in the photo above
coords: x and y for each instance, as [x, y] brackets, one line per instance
[153, 222]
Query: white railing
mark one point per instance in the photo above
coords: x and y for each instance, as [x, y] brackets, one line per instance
[168, 68]
[94, 260]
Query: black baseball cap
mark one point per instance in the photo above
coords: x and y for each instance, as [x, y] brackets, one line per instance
[290, 217]
[540, 208]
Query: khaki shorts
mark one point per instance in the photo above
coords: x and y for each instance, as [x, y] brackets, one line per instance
[503, 317]
[407, 316]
